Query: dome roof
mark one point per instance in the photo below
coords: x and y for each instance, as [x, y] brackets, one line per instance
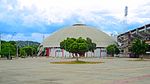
[78, 30]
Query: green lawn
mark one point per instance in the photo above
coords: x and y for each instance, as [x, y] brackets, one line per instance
[75, 62]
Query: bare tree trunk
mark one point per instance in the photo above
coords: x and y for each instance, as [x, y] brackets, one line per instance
[76, 57]
[141, 56]
[112, 55]
[73, 55]
[82, 54]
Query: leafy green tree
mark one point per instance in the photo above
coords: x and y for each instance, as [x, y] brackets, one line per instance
[112, 49]
[34, 49]
[78, 46]
[28, 50]
[139, 47]
[91, 45]
[22, 53]
[8, 50]
[66, 43]
[2, 41]
[12, 42]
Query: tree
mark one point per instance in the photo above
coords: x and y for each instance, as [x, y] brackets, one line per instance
[112, 49]
[34, 49]
[91, 45]
[66, 43]
[28, 50]
[78, 46]
[22, 53]
[8, 50]
[139, 47]
[12, 42]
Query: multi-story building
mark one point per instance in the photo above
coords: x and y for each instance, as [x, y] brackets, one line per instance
[126, 38]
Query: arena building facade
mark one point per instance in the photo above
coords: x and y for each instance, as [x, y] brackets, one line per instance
[51, 44]
[126, 38]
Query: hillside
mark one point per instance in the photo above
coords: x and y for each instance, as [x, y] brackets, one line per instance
[27, 43]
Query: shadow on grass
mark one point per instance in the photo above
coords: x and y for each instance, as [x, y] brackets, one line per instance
[75, 62]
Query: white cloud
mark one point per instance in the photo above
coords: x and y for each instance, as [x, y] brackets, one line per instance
[19, 36]
[101, 13]
[56, 11]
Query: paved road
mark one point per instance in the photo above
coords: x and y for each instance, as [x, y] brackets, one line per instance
[41, 71]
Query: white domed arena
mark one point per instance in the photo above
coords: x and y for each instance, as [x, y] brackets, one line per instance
[51, 45]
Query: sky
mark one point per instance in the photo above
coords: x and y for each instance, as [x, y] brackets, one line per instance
[36, 19]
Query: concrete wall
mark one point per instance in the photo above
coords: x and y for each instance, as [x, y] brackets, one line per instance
[57, 52]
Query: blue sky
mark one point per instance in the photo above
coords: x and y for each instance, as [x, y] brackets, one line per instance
[31, 19]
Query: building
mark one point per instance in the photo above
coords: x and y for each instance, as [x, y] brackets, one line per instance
[52, 43]
[126, 38]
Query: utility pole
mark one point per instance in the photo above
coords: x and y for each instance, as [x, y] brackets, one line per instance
[0, 44]
[28, 43]
[16, 49]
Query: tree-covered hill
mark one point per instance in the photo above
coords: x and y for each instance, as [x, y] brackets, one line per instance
[27, 43]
